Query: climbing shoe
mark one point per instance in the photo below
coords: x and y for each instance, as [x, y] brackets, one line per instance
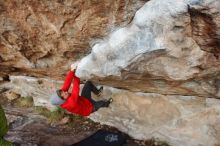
[110, 100]
[100, 91]
[107, 103]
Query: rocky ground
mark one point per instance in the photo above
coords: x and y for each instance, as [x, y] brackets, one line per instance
[36, 126]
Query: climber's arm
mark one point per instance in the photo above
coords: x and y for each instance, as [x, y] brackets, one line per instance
[73, 98]
[68, 81]
[75, 90]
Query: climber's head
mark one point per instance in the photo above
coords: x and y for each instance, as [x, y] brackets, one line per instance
[59, 97]
[63, 94]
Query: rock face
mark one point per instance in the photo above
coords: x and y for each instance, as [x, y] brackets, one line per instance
[31, 129]
[38, 88]
[170, 49]
[42, 38]
[179, 120]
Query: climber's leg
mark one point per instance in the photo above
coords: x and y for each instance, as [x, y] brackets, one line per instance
[88, 89]
[102, 103]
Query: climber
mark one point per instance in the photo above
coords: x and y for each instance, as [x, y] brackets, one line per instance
[4, 130]
[82, 105]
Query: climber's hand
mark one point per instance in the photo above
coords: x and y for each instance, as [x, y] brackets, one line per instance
[74, 65]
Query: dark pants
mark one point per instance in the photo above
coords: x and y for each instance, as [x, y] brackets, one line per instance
[87, 93]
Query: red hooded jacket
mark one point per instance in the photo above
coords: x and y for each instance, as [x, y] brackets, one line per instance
[75, 103]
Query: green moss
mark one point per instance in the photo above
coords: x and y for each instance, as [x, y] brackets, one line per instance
[59, 114]
[53, 117]
[42, 111]
[24, 101]
[56, 116]
[75, 120]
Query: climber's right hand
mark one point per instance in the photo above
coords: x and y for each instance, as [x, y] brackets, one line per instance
[74, 66]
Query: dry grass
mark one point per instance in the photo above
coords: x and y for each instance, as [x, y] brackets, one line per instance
[24, 102]
[53, 117]
[58, 115]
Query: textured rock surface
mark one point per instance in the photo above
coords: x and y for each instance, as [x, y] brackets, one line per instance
[42, 38]
[179, 120]
[170, 47]
[38, 88]
[31, 129]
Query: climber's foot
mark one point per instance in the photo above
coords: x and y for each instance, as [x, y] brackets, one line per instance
[110, 100]
[100, 91]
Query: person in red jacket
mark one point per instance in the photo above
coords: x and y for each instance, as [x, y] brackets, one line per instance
[82, 105]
